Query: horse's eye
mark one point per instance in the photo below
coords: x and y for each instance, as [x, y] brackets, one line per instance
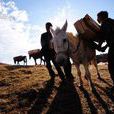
[64, 40]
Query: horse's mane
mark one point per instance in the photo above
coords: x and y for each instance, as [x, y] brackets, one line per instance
[72, 39]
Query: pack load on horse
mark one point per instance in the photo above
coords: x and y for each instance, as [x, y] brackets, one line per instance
[36, 54]
[20, 58]
[87, 27]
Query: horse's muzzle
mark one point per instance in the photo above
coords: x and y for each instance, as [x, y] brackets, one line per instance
[61, 59]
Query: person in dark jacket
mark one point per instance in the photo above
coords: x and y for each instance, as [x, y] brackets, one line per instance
[107, 34]
[49, 53]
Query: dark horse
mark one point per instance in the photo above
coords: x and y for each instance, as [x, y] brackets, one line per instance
[19, 59]
[36, 54]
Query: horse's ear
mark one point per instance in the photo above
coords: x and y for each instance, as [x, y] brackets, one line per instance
[64, 28]
[52, 31]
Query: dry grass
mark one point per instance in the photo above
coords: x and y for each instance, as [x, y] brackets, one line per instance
[27, 90]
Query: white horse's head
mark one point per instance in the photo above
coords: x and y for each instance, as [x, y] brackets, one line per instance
[61, 44]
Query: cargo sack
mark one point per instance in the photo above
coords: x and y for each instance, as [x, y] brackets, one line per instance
[91, 24]
[87, 27]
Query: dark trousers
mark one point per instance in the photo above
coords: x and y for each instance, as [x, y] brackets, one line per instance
[50, 56]
[111, 63]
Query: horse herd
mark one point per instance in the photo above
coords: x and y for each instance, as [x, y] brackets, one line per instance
[35, 54]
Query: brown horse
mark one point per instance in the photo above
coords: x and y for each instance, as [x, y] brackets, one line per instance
[36, 54]
[20, 58]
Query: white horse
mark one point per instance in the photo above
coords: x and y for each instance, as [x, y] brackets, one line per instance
[66, 45]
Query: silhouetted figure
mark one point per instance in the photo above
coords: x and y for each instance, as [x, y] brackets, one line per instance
[49, 53]
[107, 34]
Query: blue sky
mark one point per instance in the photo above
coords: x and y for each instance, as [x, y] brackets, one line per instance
[23, 21]
[40, 10]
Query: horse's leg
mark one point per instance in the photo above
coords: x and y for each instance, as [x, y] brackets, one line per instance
[14, 62]
[44, 62]
[40, 60]
[79, 73]
[35, 61]
[24, 62]
[87, 74]
[67, 69]
[96, 66]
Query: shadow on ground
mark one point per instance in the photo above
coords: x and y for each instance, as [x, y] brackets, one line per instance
[66, 100]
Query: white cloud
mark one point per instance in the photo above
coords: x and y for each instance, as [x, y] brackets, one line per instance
[11, 40]
[16, 35]
[19, 15]
[11, 5]
[63, 14]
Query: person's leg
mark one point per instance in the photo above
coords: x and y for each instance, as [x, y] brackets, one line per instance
[111, 64]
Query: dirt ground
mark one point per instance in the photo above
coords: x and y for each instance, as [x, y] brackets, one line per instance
[29, 90]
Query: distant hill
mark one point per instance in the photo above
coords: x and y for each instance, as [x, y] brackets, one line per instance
[3, 63]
